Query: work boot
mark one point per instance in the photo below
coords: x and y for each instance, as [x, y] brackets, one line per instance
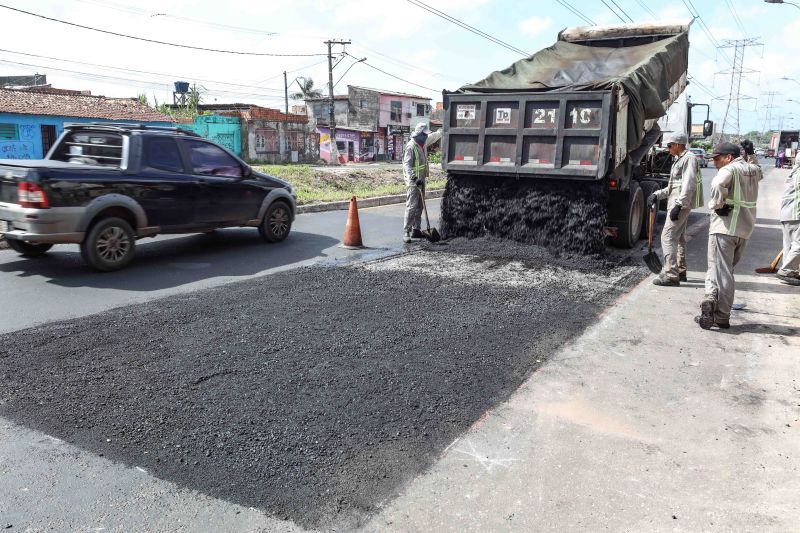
[788, 276]
[682, 277]
[664, 281]
[416, 233]
[721, 324]
[706, 318]
[406, 237]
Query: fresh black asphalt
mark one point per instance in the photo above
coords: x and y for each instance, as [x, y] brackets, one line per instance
[314, 394]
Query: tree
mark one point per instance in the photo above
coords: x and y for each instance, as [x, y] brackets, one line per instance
[307, 90]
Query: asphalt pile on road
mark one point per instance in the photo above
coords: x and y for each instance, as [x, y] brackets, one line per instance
[563, 216]
[313, 394]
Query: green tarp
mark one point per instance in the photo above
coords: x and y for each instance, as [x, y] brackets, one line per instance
[645, 71]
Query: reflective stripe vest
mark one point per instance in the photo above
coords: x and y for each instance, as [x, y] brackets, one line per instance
[737, 202]
[419, 165]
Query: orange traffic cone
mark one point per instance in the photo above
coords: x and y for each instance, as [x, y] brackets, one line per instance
[352, 231]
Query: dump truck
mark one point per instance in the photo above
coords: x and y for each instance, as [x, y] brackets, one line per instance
[577, 122]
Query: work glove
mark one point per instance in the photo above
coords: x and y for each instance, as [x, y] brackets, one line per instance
[652, 200]
[674, 213]
[723, 211]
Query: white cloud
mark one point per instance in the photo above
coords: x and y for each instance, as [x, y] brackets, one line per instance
[535, 25]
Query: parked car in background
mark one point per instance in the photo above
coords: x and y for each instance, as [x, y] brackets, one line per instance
[701, 156]
[103, 186]
[760, 152]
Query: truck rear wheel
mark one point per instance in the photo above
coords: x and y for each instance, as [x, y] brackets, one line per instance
[630, 227]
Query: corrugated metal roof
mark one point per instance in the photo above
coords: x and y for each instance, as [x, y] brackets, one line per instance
[29, 102]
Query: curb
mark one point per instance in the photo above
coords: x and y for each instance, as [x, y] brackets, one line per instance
[366, 202]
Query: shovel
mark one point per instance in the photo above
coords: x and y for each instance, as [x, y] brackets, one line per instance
[651, 258]
[431, 233]
[773, 267]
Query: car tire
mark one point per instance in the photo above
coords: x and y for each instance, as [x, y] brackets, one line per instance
[109, 245]
[277, 222]
[28, 249]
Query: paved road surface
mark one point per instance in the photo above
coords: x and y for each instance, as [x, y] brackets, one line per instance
[60, 286]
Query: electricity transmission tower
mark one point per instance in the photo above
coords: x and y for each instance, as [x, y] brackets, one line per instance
[767, 125]
[731, 121]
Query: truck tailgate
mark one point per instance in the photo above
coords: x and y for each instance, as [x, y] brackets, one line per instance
[542, 135]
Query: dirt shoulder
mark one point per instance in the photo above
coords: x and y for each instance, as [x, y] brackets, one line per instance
[315, 184]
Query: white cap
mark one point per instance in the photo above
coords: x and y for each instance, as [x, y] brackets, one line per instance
[421, 128]
[676, 137]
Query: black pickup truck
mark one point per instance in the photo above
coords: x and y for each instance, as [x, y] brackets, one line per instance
[105, 185]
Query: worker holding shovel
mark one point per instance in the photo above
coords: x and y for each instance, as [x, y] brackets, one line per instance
[415, 172]
[683, 192]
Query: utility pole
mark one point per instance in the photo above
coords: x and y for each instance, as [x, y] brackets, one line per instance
[735, 97]
[286, 92]
[332, 115]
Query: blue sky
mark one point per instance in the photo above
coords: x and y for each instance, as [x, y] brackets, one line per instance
[426, 53]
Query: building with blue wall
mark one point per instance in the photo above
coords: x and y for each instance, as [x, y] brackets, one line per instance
[31, 120]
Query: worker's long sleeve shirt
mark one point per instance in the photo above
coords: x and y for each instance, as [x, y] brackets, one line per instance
[736, 185]
[685, 186]
[790, 201]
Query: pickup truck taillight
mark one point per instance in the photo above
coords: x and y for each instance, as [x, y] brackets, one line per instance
[32, 195]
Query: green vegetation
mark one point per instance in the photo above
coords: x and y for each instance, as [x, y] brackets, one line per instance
[315, 184]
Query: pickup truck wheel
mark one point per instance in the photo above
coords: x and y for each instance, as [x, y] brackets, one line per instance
[630, 227]
[28, 249]
[277, 222]
[109, 245]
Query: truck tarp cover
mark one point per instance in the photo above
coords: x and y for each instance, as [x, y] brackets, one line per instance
[646, 72]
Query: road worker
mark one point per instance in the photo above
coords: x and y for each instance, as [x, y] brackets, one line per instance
[790, 222]
[749, 151]
[734, 192]
[684, 192]
[415, 172]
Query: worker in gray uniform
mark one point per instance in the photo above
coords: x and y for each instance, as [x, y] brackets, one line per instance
[415, 171]
[790, 222]
[684, 192]
[734, 192]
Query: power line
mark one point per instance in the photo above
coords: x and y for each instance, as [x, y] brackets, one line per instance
[467, 27]
[122, 69]
[646, 8]
[612, 10]
[151, 84]
[185, 20]
[576, 12]
[696, 14]
[622, 10]
[736, 17]
[261, 54]
[395, 77]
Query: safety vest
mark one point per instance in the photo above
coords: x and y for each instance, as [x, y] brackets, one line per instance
[794, 198]
[418, 166]
[736, 202]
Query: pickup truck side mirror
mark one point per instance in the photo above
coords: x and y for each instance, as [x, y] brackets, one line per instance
[247, 171]
[708, 128]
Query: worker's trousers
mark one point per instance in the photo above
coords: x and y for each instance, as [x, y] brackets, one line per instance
[791, 246]
[413, 216]
[673, 244]
[724, 252]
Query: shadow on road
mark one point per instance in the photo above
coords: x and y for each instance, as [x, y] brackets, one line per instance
[174, 262]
